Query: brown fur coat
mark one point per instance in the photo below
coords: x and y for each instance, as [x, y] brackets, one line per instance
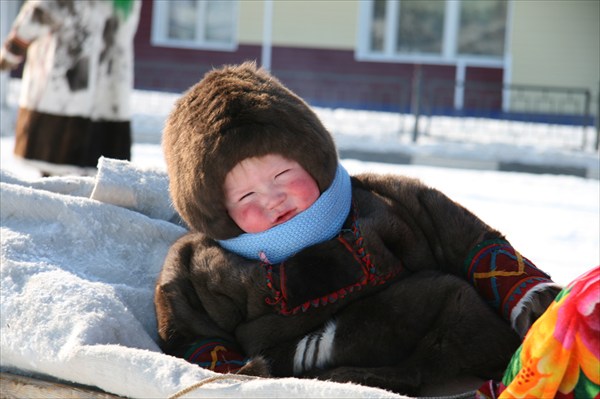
[398, 227]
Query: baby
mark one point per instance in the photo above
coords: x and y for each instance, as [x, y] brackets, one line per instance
[292, 259]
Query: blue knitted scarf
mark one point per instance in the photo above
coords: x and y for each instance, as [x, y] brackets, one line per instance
[322, 221]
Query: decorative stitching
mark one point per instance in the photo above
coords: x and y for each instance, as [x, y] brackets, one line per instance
[362, 256]
[501, 275]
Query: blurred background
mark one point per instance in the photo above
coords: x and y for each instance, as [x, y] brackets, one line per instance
[518, 72]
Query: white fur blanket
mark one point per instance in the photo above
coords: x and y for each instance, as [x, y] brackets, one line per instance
[79, 259]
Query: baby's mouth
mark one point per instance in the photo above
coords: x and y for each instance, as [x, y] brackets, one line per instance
[284, 217]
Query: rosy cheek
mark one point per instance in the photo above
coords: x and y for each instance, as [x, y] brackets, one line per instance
[250, 218]
[312, 192]
[307, 192]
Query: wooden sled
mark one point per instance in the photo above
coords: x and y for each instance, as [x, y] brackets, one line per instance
[14, 386]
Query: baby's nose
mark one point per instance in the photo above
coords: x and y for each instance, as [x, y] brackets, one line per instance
[275, 199]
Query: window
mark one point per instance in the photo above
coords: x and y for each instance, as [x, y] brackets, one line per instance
[482, 28]
[201, 24]
[432, 30]
[420, 27]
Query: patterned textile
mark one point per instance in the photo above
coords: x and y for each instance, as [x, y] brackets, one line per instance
[216, 355]
[490, 267]
[560, 356]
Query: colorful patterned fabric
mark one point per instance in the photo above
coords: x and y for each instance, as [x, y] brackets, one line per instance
[560, 356]
[216, 355]
[501, 275]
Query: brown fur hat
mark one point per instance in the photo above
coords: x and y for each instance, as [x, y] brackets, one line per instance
[235, 113]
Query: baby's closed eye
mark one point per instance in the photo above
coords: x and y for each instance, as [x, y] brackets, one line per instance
[245, 196]
[282, 173]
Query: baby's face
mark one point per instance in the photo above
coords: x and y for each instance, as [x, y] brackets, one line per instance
[263, 192]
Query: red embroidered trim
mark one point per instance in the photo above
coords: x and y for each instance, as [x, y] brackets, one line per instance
[361, 255]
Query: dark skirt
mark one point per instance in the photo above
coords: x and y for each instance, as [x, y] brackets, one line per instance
[70, 140]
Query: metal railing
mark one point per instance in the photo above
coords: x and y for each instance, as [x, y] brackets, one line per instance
[522, 109]
[544, 105]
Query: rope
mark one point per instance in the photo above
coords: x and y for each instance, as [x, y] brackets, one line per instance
[238, 377]
[242, 377]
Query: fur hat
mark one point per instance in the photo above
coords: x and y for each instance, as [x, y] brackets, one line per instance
[235, 113]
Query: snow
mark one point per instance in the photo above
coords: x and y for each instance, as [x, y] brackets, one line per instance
[554, 220]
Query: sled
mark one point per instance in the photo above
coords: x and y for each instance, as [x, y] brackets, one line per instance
[14, 386]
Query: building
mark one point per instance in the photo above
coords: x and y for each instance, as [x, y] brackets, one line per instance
[433, 56]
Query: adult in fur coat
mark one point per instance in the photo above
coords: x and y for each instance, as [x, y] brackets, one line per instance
[339, 272]
[77, 80]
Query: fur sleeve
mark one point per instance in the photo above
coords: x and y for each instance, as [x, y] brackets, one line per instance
[35, 19]
[440, 231]
[189, 304]
[427, 230]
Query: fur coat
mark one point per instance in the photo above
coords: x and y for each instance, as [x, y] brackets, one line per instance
[362, 306]
[74, 103]
[397, 227]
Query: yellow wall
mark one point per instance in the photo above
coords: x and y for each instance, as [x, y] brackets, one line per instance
[302, 23]
[556, 43]
[552, 42]
[251, 19]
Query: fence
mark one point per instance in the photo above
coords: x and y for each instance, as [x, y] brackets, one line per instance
[441, 110]
[471, 111]
[539, 112]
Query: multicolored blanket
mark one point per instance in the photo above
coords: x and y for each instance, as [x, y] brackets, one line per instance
[560, 355]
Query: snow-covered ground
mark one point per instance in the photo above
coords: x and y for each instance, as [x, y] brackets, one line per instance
[552, 219]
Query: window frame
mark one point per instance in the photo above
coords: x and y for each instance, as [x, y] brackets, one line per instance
[160, 24]
[449, 54]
